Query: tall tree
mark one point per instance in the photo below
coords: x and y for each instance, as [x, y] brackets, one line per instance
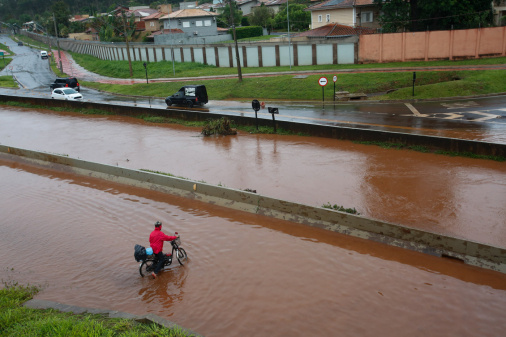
[260, 16]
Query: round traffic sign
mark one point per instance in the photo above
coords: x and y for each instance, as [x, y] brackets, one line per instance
[323, 81]
[335, 78]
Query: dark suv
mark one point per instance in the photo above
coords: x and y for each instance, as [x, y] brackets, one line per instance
[20, 43]
[189, 95]
[70, 82]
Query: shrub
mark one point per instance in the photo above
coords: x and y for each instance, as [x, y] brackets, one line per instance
[245, 32]
[218, 127]
[244, 21]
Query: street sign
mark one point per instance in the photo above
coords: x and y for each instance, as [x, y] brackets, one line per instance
[323, 81]
[334, 78]
[1, 53]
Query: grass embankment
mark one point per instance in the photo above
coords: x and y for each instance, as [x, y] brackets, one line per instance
[37, 44]
[284, 87]
[6, 81]
[120, 69]
[16, 320]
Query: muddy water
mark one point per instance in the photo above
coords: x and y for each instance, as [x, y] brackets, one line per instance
[247, 276]
[456, 196]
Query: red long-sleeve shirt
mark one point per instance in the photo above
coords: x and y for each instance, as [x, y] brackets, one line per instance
[156, 239]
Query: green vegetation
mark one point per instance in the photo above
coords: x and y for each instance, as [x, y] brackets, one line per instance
[247, 32]
[7, 82]
[219, 126]
[424, 149]
[16, 320]
[79, 111]
[160, 119]
[7, 49]
[119, 69]
[26, 39]
[249, 39]
[340, 208]
[476, 82]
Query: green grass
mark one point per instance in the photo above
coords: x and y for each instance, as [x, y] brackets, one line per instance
[16, 320]
[340, 208]
[7, 82]
[119, 69]
[424, 149]
[31, 41]
[4, 64]
[281, 87]
[8, 50]
[472, 83]
[248, 39]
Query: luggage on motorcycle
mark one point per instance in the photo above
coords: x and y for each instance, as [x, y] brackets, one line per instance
[140, 253]
[149, 251]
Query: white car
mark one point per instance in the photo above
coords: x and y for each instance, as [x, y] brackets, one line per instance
[66, 94]
[43, 54]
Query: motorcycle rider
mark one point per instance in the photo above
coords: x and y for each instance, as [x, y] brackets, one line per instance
[156, 239]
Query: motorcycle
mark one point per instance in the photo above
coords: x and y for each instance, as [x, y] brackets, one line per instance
[148, 264]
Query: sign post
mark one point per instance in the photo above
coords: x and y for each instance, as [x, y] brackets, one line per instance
[335, 80]
[255, 104]
[323, 82]
[414, 79]
[273, 111]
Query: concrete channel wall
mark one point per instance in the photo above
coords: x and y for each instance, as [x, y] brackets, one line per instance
[318, 130]
[473, 253]
[259, 54]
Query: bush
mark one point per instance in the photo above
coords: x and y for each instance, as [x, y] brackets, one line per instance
[244, 21]
[245, 32]
[218, 127]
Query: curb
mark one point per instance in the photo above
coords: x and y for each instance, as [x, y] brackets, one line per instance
[146, 319]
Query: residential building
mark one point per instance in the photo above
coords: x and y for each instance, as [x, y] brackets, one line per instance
[499, 12]
[188, 5]
[246, 5]
[197, 22]
[152, 22]
[273, 4]
[345, 12]
[335, 30]
[165, 8]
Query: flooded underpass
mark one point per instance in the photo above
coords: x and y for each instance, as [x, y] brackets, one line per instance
[457, 196]
[247, 275]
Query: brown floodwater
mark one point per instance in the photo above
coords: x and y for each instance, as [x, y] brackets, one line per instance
[457, 196]
[247, 275]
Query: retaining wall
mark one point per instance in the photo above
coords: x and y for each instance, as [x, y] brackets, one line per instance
[474, 253]
[319, 130]
[221, 55]
[435, 45]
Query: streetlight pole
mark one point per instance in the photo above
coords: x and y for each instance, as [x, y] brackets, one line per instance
[289, 49]
[57, 42]
[239, 73]
[146, 67]
[126, 40]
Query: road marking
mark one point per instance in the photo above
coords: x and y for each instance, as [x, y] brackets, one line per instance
[487, 116]
[412, 108]
[460, 105]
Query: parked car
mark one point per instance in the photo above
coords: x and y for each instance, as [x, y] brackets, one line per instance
[189, 95]
[43, 54]
[20, 43]
[70, 82]
[66, 94]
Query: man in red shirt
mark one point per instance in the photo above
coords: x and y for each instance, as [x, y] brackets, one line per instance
[156, 239]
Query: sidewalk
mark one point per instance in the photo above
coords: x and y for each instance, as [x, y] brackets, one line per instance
[70, 67]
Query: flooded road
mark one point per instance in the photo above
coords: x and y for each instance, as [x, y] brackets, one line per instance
[247, 275]
[450, 195]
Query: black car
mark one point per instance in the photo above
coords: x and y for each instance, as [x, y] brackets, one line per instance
[70, 82]
[189, 95]
[20, 43]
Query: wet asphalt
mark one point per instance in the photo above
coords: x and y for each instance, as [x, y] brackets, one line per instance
[477, 118]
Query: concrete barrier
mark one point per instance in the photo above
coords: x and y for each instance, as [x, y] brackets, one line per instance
[318, 130]
[473, 253]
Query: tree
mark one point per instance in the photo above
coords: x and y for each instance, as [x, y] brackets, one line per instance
[225, 15]
[299, 18]
[61, 14]
[244, 21]
[260, 16]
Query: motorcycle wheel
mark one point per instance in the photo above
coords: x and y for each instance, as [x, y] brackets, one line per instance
[181, 256]
[147, 267]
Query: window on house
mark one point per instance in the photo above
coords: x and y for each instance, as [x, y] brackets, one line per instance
[366, 17]
[198, 23]
[320, 18]
[152, 24]
[186, 24]
[207, 23]
[328, 18]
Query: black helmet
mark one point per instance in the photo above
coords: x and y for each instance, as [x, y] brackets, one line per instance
[158, 224]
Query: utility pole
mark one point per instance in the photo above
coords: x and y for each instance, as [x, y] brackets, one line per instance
[171, 40]
[289, 49]
[58, 42]
[126, 40]
[235, 39]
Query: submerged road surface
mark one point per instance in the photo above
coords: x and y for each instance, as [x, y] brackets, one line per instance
[247, 275]
[451, 195]
[477, 119]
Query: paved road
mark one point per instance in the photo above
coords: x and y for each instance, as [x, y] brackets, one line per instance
[479, 119]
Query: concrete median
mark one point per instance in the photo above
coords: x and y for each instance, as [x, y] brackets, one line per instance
[473, 253]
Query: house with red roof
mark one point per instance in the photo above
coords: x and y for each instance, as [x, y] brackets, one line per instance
[352, 13]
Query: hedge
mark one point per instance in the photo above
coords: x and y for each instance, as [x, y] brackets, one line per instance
[244, 32]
